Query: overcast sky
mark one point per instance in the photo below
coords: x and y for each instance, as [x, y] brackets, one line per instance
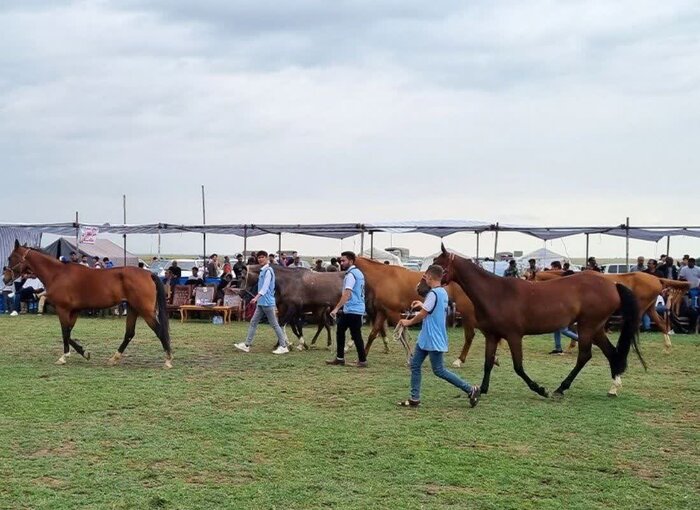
[531, 112]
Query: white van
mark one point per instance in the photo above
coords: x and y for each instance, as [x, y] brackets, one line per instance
[618, 268]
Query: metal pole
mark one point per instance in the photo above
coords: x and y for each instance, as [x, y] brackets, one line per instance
[668, 246]
[478, 236]
[77, 234]
[245, 241]
[279, 246]
[495, 250]
[204, 234]
[124, 235]
[371, 245]
[627, 243]
[585, 263]
[159, 242]
[362, 242]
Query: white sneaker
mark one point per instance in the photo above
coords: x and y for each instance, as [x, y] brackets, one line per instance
[242, 347]
[14, 314]
[281, 350]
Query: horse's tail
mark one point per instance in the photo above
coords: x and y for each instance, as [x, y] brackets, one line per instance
[163, 329]
[629, 334]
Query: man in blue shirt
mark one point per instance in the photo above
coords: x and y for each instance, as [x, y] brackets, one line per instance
[352, 303]
[432, 341]
[265, 305]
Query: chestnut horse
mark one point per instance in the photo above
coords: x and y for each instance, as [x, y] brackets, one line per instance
[390, 291]
[510, 308]
[73, 287]
[646, 288]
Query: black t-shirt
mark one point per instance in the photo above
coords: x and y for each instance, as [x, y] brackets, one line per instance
[238, 268]
[176, 270]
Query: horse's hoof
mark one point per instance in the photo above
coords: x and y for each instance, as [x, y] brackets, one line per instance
[114, 360]
[61, 361]
[86, 355]
[612, 394]
[457, 363]
[544, 393]
[495, 361]
[301, 347]
[168, 364]
[558, 395]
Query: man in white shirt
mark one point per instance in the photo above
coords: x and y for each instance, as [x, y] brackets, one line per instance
[690, 273]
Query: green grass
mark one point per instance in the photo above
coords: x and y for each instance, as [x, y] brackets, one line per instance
[225, 429]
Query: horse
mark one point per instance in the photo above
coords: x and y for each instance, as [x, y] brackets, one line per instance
[646, 288]
[72, 287]
[390, 290]
[301, 291]
[510, 308]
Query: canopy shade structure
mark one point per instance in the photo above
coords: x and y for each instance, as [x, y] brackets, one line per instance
[8, 236]
[102, 248]
[543, 257]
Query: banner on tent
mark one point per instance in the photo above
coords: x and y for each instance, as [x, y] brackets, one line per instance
[88, 235]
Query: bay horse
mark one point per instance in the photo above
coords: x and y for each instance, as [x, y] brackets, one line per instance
[299, 292]
[646, 287]
[510, 308]
[390, 290]
[72, 287]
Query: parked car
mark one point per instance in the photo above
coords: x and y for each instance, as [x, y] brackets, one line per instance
[159, 267]
[618, 268]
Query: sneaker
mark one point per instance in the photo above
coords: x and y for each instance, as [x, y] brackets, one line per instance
[281, 350]
[335, 361]
[242, 347]
[474, 396]
[14, 314]
[556, 351]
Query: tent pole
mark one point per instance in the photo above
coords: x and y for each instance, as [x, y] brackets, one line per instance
[362, 241]
[585, 263]
[371, 245]
[124, 205]
[668, 245]
[478, 234]
[245, 241]
[627, 243]
[77, 234]
[159, 242]
[279, 246]
[204, 234]
[495, 249]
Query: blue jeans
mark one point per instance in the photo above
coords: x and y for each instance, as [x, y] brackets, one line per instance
[646, 320]
[436, 361]
[269, 312]
[567, 333]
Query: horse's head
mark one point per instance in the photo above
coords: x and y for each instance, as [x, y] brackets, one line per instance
[17, 261]
[445, 260]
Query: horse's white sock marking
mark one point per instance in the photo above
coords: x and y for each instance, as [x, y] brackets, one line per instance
[457, 363]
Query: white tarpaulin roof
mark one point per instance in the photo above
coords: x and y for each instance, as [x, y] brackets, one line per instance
[543, 257]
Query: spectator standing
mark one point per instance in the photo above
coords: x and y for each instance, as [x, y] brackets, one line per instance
[319, 267]
[531, 270]
[226, 269]
[239, 266]
[691, 274]
[333, 266]
[512, 270]
[213, 266]
[273, 260]
[175, 271]
[668, 269]
[97, 263]
[640, 267]
[592, 265]
[653, 268]
[567, 269]
[84, 261]
[195, 278]
[107, 263]
[74, 258]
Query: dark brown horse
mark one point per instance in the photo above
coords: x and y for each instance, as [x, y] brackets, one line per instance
[301, 294]
[72, 287]
[510, 308]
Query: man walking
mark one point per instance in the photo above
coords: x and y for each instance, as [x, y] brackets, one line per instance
[264, 302]
[352, 302]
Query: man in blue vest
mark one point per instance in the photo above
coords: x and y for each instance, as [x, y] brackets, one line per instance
[264, 302]
[352, 303]
[432, 340]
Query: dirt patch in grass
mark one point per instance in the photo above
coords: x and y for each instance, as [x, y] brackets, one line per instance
[67, 449]
[47, 481]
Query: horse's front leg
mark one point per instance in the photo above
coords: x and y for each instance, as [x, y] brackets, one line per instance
[516, 351]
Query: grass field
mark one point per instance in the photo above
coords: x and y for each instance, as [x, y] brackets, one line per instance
[225, 429]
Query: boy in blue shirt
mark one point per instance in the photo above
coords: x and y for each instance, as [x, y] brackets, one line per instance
[432, 341]
[265, 304]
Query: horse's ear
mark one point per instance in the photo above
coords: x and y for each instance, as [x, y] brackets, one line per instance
[16, 244]
[442, 247]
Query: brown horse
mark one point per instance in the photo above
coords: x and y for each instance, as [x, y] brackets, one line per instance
[390, 291]
[646, 288]
[72, 287]
[510, 308]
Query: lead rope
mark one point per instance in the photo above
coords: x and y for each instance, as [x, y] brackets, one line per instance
[402, 336]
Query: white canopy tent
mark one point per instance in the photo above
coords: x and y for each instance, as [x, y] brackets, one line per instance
[543, 258]
[382, 255]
